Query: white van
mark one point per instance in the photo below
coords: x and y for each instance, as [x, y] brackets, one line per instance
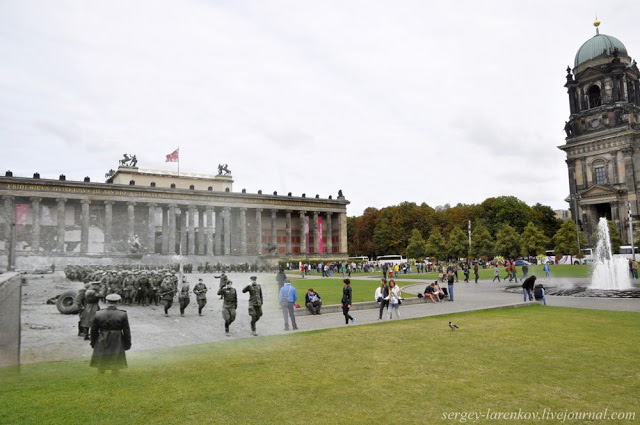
[393, 259]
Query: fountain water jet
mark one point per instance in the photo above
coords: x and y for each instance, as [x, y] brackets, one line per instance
[609, 272]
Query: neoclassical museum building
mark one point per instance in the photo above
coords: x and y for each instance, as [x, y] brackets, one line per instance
[157, 215]
[603, 135]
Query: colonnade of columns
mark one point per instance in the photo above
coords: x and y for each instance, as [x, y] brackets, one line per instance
[174, 229]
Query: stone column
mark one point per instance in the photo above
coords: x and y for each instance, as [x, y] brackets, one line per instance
[182, 248]
[226, 217]
[342, 220]
[164, 249]
[60, 213]
[108, 226]
[35, 224]
[329, 235]
[201, 232]
[316, 234]
[192, 230]
[84, 230]
[258, 231]
[243, 231]
[209, 231]
[171, 224]
[288, 232]
[10, 215]
[131, 219]
[151, 229]
[218, 237]
[304, 248]
[274, 234]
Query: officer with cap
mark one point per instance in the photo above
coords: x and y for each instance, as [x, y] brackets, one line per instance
[229, 306]
[255, 302]
[110, 337]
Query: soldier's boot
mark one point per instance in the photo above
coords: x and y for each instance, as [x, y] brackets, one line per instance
[80, 330]
[86, 334]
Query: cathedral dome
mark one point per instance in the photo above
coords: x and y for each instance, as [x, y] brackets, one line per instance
[599, 45]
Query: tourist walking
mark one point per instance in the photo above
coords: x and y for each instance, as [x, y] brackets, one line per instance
[496, 273]
[287, 297]
[394, 299]
[382, 296]
[450, 280]
[346, 301]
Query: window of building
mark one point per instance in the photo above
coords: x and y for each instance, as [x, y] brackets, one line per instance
[594, 96]
[601, 175]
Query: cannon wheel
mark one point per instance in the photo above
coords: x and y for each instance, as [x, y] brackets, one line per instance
[67, 303]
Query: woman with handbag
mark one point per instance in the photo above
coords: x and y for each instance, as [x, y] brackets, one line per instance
[381, 296]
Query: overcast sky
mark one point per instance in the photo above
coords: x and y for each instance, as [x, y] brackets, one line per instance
[390, 101]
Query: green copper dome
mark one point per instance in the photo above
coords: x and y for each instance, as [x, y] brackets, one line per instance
[599, 45]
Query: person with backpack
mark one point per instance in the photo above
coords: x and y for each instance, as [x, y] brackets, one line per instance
[539, 295]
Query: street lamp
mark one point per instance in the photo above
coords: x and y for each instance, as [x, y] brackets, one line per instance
[575, 197]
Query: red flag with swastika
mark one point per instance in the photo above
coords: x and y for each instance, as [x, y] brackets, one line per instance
[174, 156]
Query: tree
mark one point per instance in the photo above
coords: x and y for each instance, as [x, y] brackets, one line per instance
[565, 241]
[481, 242]
[506, 210]
[435, 245]
[417, 247]
[360, 232]
[533, 241]
[458, 244]
[545, 218]
[507, 242]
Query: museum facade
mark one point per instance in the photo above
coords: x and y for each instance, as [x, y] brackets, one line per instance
[602, 141]
[156, 214]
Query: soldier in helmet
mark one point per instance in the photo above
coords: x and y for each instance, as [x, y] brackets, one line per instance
[201, 295]
[255, 302]
[183, 297]
[223, 281]
[89, 307]
[167, 292]
[229, 305]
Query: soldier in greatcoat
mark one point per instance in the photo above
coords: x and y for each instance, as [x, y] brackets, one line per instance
[110, 337]
[201, 295]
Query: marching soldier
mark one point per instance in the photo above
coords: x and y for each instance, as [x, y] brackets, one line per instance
[229, 306]
[201, 295]
[255, 302]
[183, 298]
[167, 292]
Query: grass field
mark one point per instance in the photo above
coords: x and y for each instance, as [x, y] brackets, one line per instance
[417, 371]
[330, 289]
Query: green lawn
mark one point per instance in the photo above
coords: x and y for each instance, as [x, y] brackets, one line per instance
[330, 289]
[556, 270]
[417, 371]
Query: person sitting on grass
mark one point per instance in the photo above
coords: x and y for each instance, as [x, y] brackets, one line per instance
[431, 292]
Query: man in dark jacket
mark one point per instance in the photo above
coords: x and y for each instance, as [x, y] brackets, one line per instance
[110, 337]
[527, 287]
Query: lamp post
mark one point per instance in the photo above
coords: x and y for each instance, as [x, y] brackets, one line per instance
[575, 197]
[633, 248]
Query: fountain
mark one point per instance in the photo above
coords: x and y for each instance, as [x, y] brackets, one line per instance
[609, 272]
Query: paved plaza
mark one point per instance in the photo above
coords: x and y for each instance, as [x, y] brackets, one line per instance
[48, 335]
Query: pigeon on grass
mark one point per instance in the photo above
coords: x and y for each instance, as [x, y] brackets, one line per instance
[453, 326]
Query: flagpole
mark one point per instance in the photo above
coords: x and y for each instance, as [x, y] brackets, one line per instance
[178, 160]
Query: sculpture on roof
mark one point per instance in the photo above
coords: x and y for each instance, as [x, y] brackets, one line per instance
[223, 169]
[128, 160]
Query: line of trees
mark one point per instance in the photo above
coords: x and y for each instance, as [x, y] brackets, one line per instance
[503, 226]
